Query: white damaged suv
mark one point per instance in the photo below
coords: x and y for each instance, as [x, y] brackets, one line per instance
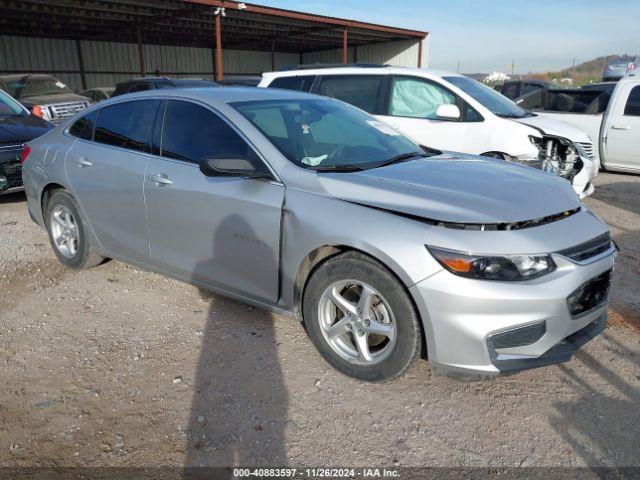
[447, 111]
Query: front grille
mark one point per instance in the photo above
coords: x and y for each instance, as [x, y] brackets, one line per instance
[519, 337]
[587, 250]
[63, 110]
[13, 172]
[590, 295]
[588, 148]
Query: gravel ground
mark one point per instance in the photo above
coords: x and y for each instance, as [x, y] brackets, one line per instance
[115, 366]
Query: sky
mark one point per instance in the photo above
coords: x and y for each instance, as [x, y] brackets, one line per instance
[488, 35]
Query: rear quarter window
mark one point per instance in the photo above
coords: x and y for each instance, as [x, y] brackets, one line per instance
[300, 84]
[84, 126]
[127, 125]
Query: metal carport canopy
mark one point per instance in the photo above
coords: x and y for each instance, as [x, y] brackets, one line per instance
[198, 23]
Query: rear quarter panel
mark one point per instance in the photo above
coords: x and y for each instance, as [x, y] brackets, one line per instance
[44, 166]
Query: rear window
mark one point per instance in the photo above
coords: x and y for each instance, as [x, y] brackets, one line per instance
[127, 125]
[511, 90]
[84, 126]
[300, 84]
[363, 91]
[633, 103]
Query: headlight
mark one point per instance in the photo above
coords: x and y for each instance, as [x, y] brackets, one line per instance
[494, 267]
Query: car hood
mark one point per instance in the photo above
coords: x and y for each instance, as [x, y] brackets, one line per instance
[457, 189]
[22, 128]
[52, 99]
[557, 128]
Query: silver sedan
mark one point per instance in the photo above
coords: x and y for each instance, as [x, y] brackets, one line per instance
[309, 207]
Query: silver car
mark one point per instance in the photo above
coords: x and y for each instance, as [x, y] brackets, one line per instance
[311, 208]
[617, 69]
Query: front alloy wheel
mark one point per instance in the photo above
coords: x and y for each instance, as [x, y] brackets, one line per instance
[357, 322]
[361, 319]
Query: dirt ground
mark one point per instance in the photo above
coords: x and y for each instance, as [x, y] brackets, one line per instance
[115, 366]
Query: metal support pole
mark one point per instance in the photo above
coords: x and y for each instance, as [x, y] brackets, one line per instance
[213, 64]
[219, 74]
[419, 53]
[273, 55]
[83, 76]
[141, 52]
[344, 46]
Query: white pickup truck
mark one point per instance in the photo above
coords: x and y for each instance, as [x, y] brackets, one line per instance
[616, 132]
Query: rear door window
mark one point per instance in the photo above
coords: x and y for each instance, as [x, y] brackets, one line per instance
[192, 133]
[633, 103]
[127, 124]
[530, 87]
[300, 84]
[364, 91]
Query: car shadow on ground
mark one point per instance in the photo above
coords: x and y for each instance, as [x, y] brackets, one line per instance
[602, 419]
[17, 197]
[239, 406]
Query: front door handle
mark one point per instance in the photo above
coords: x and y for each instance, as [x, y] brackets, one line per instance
[83, 162]
[621, 127]
[160, 179]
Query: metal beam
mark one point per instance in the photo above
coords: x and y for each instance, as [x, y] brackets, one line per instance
[279, 12]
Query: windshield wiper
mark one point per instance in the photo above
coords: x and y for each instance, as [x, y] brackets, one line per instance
[338, 168]
[403, 157]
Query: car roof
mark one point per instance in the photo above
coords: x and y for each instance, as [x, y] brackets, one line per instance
[218, 95]
[418, 72]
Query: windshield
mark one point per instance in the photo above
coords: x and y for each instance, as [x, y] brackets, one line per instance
[326, 134]
[489, 98]
[36, 86]
[9, 107]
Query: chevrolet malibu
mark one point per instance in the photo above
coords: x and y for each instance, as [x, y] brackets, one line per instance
[306, 206]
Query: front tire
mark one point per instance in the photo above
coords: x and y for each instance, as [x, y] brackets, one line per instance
[68, 233]
[360, 318]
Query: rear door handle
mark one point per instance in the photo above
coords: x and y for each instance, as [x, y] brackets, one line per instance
[160, 179]
[621, 127]
[83, 162]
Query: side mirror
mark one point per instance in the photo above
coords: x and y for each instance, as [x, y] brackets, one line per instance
[230, 166]
[448, 112]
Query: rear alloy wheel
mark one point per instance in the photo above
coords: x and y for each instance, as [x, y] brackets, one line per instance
[67, 233]
[64, 231]
[361, 319]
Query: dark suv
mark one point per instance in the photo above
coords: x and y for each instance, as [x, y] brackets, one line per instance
[44, 95]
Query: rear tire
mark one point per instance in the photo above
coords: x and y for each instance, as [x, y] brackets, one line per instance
[68, 232]
[374, 334]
